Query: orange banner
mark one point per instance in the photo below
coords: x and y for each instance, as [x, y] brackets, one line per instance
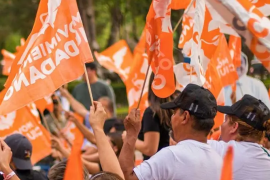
[159, 47]
[54, 54]
[24, 122]
[44, 103]
[7, 61]
[224, 64]
[235, 47]
[116, 58]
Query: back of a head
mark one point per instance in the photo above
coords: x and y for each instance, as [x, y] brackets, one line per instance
[108, 103]
[155, 102]
[105, 176]
[252, 116]
[92, 66]
[57, 172]
[116, 139]
[201, 105]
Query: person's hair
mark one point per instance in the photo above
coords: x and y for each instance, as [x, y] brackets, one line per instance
[116, 140]
[92, 66]
[203, 125]
[110, 106]
[155, 102]
[105, 176]
[245, 131]
[57, 172]
[119, 125]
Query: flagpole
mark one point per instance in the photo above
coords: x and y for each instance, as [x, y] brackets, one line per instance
[144, 82]
[181, 18]
[88, 84]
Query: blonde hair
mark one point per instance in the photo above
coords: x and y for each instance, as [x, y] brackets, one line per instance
[249, 133]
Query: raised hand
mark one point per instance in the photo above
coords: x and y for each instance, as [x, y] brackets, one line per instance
[5, 155]
[97, 115]
[133, 122]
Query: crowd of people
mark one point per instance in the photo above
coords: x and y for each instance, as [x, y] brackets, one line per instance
[172, 135]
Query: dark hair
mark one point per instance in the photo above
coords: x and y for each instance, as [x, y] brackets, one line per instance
[105, 176]
[57, 172]
[116, 140]
[110, 103]
[155, 102]
[119, 125]
[92, 66]
[203, 125]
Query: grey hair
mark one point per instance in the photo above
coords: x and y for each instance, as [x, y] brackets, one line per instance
[57, 172]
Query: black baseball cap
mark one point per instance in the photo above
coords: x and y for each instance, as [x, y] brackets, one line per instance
[21, 149]
[199, 101]
[250, 110]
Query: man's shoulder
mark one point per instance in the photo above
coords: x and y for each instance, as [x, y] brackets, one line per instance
[102, 83]
[79, 86]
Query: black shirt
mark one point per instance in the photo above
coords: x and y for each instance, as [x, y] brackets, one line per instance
[151, 123]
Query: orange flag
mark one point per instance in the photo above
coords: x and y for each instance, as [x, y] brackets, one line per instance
[7, 61]
[235, 50]
[74, 165]
[24, 121]
[44, 103]
[131, 68]
[159, 47]
[183, 4]
[116, 58]
[54, 54]
[223, 62]
[255, 29]
[227, 169]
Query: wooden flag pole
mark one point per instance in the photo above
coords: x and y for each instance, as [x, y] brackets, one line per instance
[88, 84]
[144, 82]
[181, 18]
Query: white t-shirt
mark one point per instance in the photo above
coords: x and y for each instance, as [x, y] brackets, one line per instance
[188, 160]
[251, 161]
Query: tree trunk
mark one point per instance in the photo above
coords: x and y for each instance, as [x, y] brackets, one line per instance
[90, 12]
[116, 20]
[86, 9]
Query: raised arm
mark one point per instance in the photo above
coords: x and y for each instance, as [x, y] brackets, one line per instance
[84, 130]
[5, 158]
[107, 156]
[76, 105]
[126, 159]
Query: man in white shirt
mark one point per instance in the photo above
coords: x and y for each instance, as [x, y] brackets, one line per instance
[191, 159]
[244, 126]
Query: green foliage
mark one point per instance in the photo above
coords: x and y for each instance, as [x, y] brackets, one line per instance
[12, 41]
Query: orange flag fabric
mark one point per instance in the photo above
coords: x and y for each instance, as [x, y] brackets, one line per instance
[7, 61]
[130, 67]
[223, 62]
[227, 169]
[116, 58]
[256, 31]
[44, 103]
[23, 121]
[183, 4]
[159, 47]
[74, 165]
[235, 48]
[54, 54]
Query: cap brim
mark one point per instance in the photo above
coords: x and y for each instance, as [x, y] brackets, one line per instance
[22, 164]
[169, 105]
[225, 110]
